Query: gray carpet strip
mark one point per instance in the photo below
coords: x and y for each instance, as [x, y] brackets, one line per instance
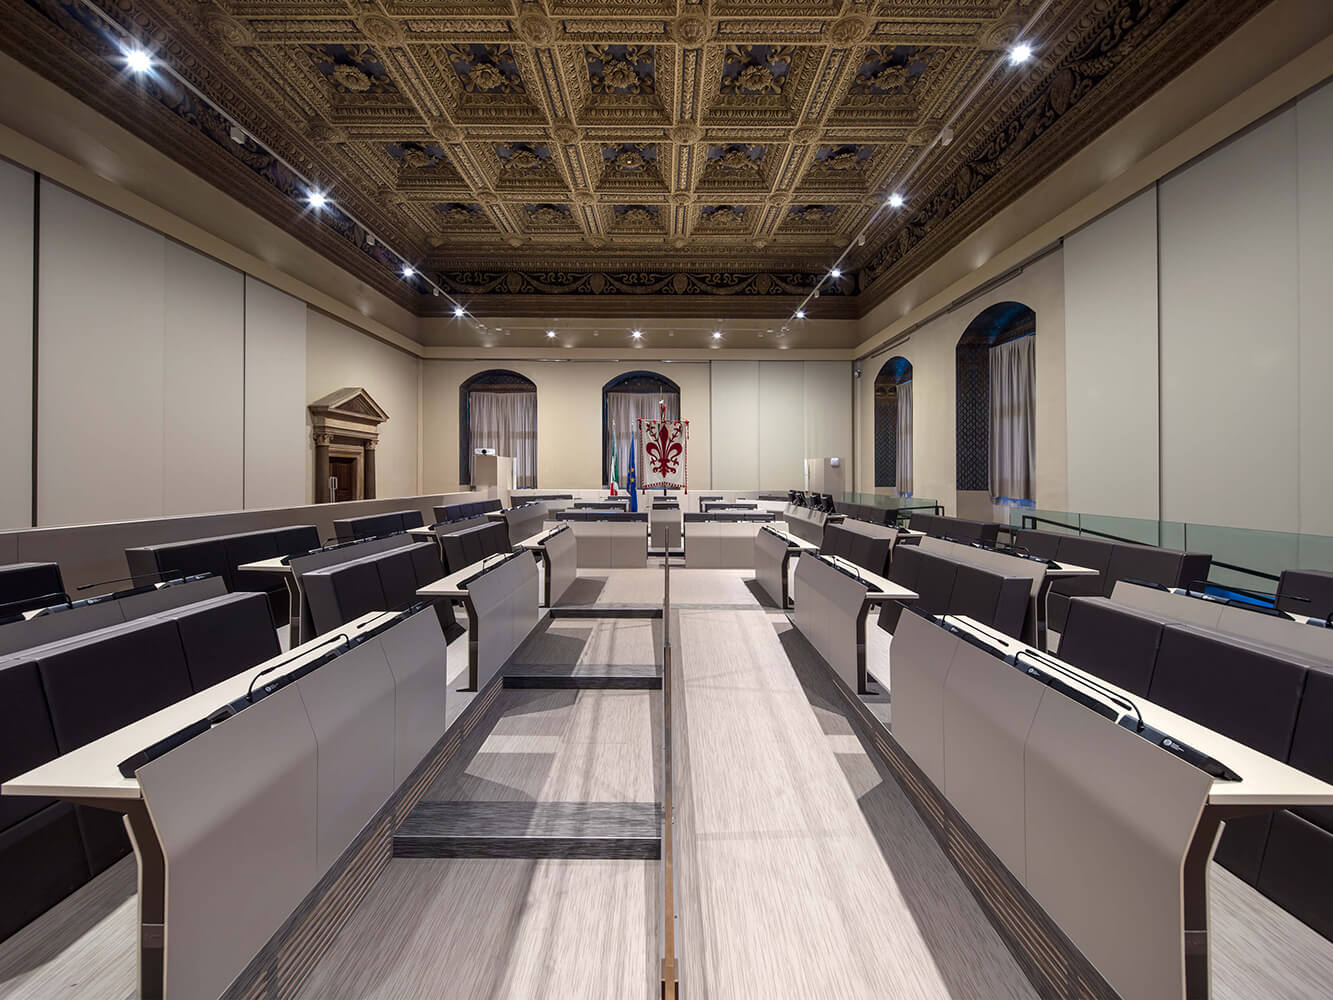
[614, 830]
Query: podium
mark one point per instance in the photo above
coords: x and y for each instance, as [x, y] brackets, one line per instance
[494, 470]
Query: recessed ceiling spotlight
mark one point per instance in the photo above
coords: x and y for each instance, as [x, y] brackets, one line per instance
[408, 270]
[717, 334]
[861, 240]
[1020, 54]
[835, 273]
[946, 136]
[895, 200]
[316, 198]
[238, 135]
[435, 292]
[800, 314]
[138, 60]
[550, 333]
[636, 334]
[370, 239]
[458, 311]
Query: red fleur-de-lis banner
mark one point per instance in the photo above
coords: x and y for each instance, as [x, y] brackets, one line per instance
[663, 445]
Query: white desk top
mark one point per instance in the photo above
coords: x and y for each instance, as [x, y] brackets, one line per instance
[495, 515]
[792, 541]
[1264, 781]
[422, 532]
[881, 588]
[90, 772]
[452, 585]
[538, 541]
[1068, 569]
[274, 565]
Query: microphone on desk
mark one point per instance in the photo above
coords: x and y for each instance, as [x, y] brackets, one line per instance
[171, 575]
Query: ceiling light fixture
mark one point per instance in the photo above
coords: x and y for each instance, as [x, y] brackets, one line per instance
[317, 199]
[895, 200]
[138, 60]
[459, 312]
[550, 333]
[717, 334]
[408, 270]
[238, 135]
[1020, 54]
[800, 314]
[636, 334]
[435, 292]
[835, 274]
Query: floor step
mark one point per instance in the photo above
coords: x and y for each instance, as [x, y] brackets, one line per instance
[634, 676]
[612, 830]
[607, 611]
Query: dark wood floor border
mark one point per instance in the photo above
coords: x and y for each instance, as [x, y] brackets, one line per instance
[1052, 963]
[284, 964]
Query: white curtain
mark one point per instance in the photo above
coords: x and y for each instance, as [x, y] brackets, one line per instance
[904, 479]
[623, 410]
[1013, 422]
[507, 422]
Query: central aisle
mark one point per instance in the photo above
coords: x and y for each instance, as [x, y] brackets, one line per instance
[802, 870]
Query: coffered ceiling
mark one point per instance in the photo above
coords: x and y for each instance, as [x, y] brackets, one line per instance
[590, 157]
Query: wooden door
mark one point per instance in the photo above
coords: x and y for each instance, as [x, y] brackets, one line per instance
[344, 470]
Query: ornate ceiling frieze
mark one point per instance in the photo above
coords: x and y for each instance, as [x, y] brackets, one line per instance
[601, 149]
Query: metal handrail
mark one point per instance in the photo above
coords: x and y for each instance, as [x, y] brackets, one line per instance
[670, 983]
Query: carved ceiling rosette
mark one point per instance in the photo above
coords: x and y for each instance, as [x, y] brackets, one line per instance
[445, 131]
[691, 30]
[537, 29]
[804, 135]
[584, 197]
[566, 133]
[228, 30]
[848, 30]
[318, 130]
[383, 31]
[686, 133]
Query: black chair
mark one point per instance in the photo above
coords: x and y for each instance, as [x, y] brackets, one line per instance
[1297, 868]
[1090, 553]
[1042, 544]
[29, 585]
[1305, 592]
[398, 578]
[1168, 567]
[1243, 690]
[224, 636]
[1116, 643]
[990, 598]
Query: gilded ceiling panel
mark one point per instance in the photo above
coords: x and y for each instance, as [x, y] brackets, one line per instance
[608, 148]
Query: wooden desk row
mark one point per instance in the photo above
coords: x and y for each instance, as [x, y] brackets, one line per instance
[234, 827]
[1110, 833]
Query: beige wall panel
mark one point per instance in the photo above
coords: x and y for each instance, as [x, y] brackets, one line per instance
[16, 261]
[827, 403]
[1314, 164]
[781, 421]
[1111, 344]
[569, 417]
[275, 388]
[100, 369]
[203, 384]
[338, 355]
[930, 349]
[1229, 329]
[736, 427]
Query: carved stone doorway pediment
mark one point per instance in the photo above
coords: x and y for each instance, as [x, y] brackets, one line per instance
[345, 424]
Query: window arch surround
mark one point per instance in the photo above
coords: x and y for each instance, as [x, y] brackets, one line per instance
[492, 380]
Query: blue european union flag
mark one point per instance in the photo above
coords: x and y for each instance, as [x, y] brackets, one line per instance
[632, 479]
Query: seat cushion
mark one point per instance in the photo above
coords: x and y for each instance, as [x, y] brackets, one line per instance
[412, 519]
[29, 738]
[1305, 592]
[203, 555]
[454, 556]
[226, 637]
[1143, 562]
[96, 687]
[1242, 691]
[934, 583]
[398, 579]
[296, 539]
[41, 862]
[1043, 544]
[1116, 643]
[426, 565]
[24, 586]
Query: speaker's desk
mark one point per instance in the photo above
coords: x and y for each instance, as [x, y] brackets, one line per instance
[203, 793]
[774, 548]
[1109, 832]
[833, 598]
[501, 596]
[557, 549]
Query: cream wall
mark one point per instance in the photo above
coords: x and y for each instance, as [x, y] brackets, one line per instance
[338, 356]
[569, 417]
[930, 349]
[16, 263]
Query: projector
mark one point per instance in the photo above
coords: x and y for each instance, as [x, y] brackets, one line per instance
[484, 451]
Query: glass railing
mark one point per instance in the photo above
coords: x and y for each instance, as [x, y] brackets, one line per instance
[888, 501]
[1242, 557]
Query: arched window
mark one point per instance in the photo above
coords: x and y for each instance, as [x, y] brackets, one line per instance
[893, 425]
[626, 399]
[498, 409]
[997, 425]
